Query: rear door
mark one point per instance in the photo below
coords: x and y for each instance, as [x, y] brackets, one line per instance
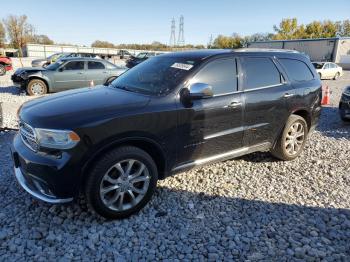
[96, 72]
[70, 75]
[265, 93]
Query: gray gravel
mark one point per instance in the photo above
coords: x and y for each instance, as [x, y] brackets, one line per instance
[252, 208]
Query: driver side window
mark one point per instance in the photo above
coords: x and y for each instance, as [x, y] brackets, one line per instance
[220, 74]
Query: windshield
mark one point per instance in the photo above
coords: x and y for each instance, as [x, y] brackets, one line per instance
[54, 66]
[156, 76]
[141, 55]
[318, 65]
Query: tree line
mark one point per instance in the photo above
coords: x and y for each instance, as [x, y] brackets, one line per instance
[287, 29]
[18, 31]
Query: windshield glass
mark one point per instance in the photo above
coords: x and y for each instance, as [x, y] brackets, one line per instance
[54, 66]
[318, 65]
[156, 76]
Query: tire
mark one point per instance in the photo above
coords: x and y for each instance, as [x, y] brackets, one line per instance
[106, 176]
[337, 75]
[2, 70]
[36, 87]
[288, 152]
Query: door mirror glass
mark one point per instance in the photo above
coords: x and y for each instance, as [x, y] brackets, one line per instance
[200, 90]
[61, 69]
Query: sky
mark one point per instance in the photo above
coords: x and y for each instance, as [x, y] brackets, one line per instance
[82, 22]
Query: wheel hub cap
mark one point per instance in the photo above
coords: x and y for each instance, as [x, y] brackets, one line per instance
[295, 138]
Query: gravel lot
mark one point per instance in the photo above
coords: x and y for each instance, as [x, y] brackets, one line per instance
[252, 208]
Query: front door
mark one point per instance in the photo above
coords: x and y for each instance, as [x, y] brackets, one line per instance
[212, 126]
[70, 75]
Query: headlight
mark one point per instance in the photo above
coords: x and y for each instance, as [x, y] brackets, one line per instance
[57, 139]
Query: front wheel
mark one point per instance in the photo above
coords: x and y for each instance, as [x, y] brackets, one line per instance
[36, 87]
[292, 140]
[337, 75]
[121, 183]
[2, 70]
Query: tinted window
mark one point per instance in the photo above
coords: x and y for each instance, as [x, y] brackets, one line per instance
[95, 65]
[74, 65]
[260, 72]
[297, 70]
[220, 74]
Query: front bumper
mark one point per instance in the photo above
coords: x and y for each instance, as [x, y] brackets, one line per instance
[18, 81]
[46, 177]
[37, 189]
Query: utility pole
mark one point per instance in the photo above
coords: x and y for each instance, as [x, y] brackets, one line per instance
[172, 40]
[181, 38]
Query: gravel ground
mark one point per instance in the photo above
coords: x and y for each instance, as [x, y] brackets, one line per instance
[252, 208]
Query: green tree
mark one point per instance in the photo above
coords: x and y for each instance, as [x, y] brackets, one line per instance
[287, 29]
[231, 42]
[102, 44]
[41, 39]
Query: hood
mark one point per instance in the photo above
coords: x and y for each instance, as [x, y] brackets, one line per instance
[29, 70]
[82, 106]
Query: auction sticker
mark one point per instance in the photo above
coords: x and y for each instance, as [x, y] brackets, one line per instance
[182, 66]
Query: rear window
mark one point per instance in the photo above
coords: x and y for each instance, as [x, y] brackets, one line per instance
[260, 72]
[95, 65]
[297, 70]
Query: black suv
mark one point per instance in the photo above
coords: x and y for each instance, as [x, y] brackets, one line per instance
[169, 114]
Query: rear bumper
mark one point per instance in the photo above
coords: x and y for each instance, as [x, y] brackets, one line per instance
[344, 106]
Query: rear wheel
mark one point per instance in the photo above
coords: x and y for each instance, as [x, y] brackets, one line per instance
[2, 70]
[36, 87]
[121, 183]
[292, 140]
[337, 75]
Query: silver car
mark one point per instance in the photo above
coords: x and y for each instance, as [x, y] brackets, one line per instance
[66, 73]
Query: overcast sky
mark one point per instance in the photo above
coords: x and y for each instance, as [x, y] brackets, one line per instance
[82, 22]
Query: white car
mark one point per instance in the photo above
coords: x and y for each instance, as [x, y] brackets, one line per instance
[328, 70]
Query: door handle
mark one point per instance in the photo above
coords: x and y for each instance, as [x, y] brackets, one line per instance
[80, 73]
[288, 95]
[235, 104]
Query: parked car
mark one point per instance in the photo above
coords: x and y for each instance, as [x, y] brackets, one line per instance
[135, 60]
[5, 65]
[43, 62]
[169, 114]
[328, 70]
[344, 105]
[66, 73]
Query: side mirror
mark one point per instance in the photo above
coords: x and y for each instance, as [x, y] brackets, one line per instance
[200, 90]
[61, 69]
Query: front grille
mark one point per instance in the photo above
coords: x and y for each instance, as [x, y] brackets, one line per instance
[28, 136]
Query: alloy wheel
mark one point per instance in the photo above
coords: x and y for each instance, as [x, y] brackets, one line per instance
[124, 185]
[295, 138]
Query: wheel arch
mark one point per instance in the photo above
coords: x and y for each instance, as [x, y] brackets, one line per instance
[148, 145]
[304, 114]
[39, 78]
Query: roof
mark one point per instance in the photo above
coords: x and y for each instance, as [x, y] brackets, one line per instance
[80, 59]
[206, 53]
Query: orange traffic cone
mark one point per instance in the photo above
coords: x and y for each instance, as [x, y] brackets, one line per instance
[325, 96]
[92, 83]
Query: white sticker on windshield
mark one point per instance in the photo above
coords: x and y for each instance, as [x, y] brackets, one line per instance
[182, 66]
